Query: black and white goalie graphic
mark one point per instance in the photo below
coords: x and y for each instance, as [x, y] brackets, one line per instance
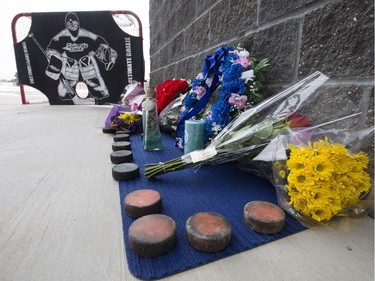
[65, 48]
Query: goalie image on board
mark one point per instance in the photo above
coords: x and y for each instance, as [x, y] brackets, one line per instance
[73, 55]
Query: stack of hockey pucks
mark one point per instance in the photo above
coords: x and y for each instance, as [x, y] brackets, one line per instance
[122, 156]
[143, 202]
[152, 234]
[119, 156]
[121, 137]
[121, 145]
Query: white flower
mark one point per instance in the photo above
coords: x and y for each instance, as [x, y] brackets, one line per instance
[209, 81]
[216, 128]
[244, 54]
[200, 76]
[248, 75]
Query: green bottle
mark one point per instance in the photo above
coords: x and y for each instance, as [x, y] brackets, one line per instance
[150, 121]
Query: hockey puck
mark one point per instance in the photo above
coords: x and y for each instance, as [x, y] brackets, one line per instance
[264, 217]
[121, 145]
[125, 171]
[122, 132]
[152, 235]
[121, 156]
[109, 130]
[121, 137]
[208, 232]
[143, 202]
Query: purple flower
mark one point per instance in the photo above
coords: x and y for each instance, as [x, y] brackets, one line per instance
[200, 91]
[243, 58]
[300, 136]
[238, 101]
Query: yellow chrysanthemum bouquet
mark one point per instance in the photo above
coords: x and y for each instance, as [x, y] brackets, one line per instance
[320, 175]
[325, 178]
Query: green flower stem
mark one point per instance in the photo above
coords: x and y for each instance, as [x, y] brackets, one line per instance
[244, 141]
[247, 141]
[155, 169]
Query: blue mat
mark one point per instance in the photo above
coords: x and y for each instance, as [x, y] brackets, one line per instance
[223, 189]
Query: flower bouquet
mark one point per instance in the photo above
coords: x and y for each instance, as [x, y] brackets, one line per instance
[169, 90]
[238, 78]
[127, 121]
[169, 98]
[134, 96]
[321, 176]
[252, 130]
[169, 116]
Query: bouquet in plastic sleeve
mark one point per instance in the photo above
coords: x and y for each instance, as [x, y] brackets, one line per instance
[251, 131]
[134, 95]
[169, 115]
[321, 176]
[169, 90]
[116, 110]
[127, 121]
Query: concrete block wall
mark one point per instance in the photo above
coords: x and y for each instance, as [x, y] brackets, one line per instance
[298, 37]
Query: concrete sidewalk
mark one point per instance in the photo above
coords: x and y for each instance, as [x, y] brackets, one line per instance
[11, 95]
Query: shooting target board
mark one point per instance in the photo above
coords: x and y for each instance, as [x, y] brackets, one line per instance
[63, 49]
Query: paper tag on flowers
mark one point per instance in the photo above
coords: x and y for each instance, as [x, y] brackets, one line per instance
[199, 155]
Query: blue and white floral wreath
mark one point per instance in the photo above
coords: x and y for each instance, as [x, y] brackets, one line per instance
[240, 80]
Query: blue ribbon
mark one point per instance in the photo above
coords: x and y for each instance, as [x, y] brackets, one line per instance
[211, 65]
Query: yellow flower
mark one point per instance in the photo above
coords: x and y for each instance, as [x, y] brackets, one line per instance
[282, 174]
[325, 178]
[127, 118]
[360, 161]
[300, 179]
[322, 168]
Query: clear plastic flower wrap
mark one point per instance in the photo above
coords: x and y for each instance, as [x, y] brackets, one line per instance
[322, 176]
[134, 95]
[169, 115]
[251, 131]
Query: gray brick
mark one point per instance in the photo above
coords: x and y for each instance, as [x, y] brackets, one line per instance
[197, 36]
[272, 9]
[369, 107]
[344, 99]
[180, 19]
[279, 45]
[156, 77]
[156, 61]
[162, 14]
[170, 72]
[228, 20]
[203, 6]
[177, 47]
[338, 40]
[186, 69]
[157, 43]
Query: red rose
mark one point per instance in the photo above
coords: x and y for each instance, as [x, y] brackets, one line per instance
[298, 120]
[166, 92]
